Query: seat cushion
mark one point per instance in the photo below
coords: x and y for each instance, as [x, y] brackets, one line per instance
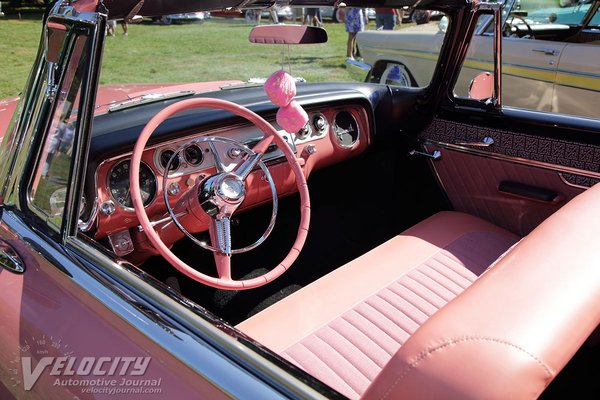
[345, 327]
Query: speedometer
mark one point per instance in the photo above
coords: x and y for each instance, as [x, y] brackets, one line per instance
[118, 184]
[345, 128]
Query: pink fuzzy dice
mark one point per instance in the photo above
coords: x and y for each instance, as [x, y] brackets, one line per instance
[281, 88]
[292, 117]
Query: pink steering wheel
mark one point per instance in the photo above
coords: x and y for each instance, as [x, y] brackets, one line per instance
[228, 191]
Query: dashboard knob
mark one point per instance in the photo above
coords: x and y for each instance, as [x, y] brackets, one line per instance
[310, 149]
[108, 207]
[234, 153]
[173, 189]
[320, 123]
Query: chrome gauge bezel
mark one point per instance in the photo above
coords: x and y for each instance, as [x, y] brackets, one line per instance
[118, 203]
[335, 135]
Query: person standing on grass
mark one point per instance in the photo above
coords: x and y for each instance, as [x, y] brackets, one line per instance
[355, 22]
[313, 16]
[112, 25]
[387, 18]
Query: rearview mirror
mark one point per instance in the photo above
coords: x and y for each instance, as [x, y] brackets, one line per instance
[287, 34]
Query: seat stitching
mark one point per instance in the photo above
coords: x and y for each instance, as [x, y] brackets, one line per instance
[366, 334]
[461, 268]
[376, 327]
[427, 288]
[451, 342]
[398, 309]
[396, 324]
[390, 288]
[343, 358]
[418, 271]
[356, 347]
[380, 328]
[323, 364]
[417, 294]
[447, 276]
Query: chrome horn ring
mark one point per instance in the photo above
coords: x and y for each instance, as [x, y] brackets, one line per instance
[249, 152]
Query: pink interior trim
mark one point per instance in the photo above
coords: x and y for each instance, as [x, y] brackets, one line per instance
[153, 236]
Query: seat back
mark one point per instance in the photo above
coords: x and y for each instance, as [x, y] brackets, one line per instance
[510, 333]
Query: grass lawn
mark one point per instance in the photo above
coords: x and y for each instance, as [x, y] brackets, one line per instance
[214, 50]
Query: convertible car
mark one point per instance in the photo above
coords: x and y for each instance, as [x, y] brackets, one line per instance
[290, 239]
[550, 55]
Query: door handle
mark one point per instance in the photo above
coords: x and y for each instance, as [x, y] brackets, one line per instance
[435, 155]
[548, 52]
[10, 260]
[485, 142]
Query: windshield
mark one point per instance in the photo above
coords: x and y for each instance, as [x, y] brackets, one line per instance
[566, 12]
[216, 49]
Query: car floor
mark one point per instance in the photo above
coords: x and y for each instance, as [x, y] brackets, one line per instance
[355, 206]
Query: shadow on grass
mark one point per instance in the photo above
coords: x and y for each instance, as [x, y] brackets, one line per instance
[15, 16]
[322, 62]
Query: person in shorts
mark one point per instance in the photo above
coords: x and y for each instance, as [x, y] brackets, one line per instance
[355, 22]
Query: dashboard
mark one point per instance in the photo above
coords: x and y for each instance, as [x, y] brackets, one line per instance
[172, 166]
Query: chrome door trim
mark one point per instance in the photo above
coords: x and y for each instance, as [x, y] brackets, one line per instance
[515, 160]
[166, 305]
[566, 182]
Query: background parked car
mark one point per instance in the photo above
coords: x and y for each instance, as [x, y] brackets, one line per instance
[336, 14]
[183, 18]
[549, 57]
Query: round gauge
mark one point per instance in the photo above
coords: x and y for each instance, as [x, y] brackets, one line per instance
[345, 128]
[165, 156]
[118, 184]
[304, 132]
[320, 123]
[193, 155]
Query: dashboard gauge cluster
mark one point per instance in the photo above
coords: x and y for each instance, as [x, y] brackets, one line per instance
[331, 134]
[316, 128]
[118, 184]
[345, 128]
[189, 159]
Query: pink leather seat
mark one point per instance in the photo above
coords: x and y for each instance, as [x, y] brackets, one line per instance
[345, 327]
[404, 320]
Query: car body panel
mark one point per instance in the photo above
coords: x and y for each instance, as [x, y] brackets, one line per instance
[76, 294]
[7, 109]
[35, 304]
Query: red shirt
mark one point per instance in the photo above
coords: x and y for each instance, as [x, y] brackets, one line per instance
[384, 10]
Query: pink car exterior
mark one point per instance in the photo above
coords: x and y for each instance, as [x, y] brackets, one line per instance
[447, 247]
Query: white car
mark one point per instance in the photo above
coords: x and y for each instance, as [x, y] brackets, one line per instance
[550, 55]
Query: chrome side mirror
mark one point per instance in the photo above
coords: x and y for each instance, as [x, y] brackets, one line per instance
[482, 86]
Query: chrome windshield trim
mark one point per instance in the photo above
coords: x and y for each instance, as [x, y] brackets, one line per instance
[147, 99]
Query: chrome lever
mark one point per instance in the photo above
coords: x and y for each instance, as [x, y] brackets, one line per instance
[548, 52]
[485, 142]
[434, 156]
[10, 260]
